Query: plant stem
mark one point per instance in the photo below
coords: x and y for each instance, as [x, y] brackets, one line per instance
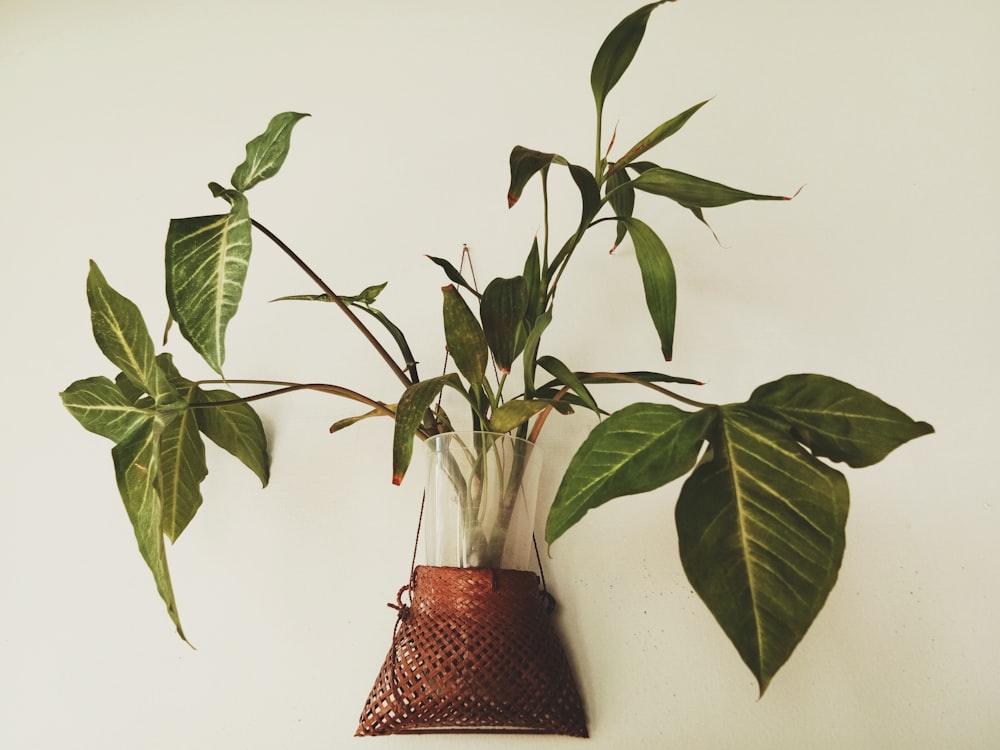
[398, 371]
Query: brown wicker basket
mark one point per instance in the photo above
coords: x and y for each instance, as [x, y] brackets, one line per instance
[474, 651]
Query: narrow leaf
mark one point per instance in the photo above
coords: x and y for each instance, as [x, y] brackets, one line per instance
[453, 274]
[836, 420]
[341, 424]
[464, 337]
[136, 462]
[636, 449]
[694, 192]
[267, 152]
[503, 309]
[567, 377]
[617, 53]
[206, 265]
[761, 533]
[658, 280]
[658, 135]
[621, 196]
[413, 405]
[122, 335]
[101, 407]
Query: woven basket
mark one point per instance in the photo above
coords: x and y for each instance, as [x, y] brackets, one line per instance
[475, 651]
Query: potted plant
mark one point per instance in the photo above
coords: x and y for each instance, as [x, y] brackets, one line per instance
[761, 515]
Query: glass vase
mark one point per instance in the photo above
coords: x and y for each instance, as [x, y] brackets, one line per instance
[479, 508]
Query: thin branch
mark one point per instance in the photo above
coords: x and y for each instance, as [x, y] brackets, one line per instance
[399, 372]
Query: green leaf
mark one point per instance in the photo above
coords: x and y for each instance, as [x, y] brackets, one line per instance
[512, 414]
[206, 265]
[453, 274]
[533, 283]
[266, 153]
[658, 135]
[761, 533]
[503, 308]
[137, 470]
[836, 420]
[617, 53]
[464, 337]
[341, 424]
[621, 196]
[413, 405]
[531, 349]
[182, 469]
[658, 280]
[122, 335]
[525, 163]
[570, 379]
[694, 192]
[101, 407]
[231, 424]
[636, 449]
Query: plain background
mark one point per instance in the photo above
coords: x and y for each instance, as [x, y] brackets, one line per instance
[882, 272]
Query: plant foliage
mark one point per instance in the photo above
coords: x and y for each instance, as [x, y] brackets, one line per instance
[762, 512]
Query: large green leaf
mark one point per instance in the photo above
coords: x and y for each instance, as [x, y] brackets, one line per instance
[122, 335]
[694, 192]
[636, 449]
[413, 405]
[617, 53]
[464, 336]
[266, 153]
[137, 470]
[206, 265]
[231, 424]
[836, 420]
[101, 407]
[657, 135]
[659, 281]
[761, 533]
[182, 469]
[503, 308]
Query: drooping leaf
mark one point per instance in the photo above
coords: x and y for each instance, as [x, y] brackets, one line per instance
[464, 337]
[122, 335]
[567, 377]
[636, 449]
[182, 468]
[590, 196]
[634, 375]
[658, 280]
[206, 265]
[512, 414]
[101, 407]
[761, 533]
[267, 152]
[658, 135]
[503, 308]
[525, 163]
[836, 420]
[410, 413]
[231, 424]
[453, 274]
[617, 53]
[136, 461]
[694, 192]
[341, 424]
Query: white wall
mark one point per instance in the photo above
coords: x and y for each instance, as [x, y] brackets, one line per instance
[882, 272]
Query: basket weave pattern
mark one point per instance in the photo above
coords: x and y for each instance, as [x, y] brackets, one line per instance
[475, 651]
